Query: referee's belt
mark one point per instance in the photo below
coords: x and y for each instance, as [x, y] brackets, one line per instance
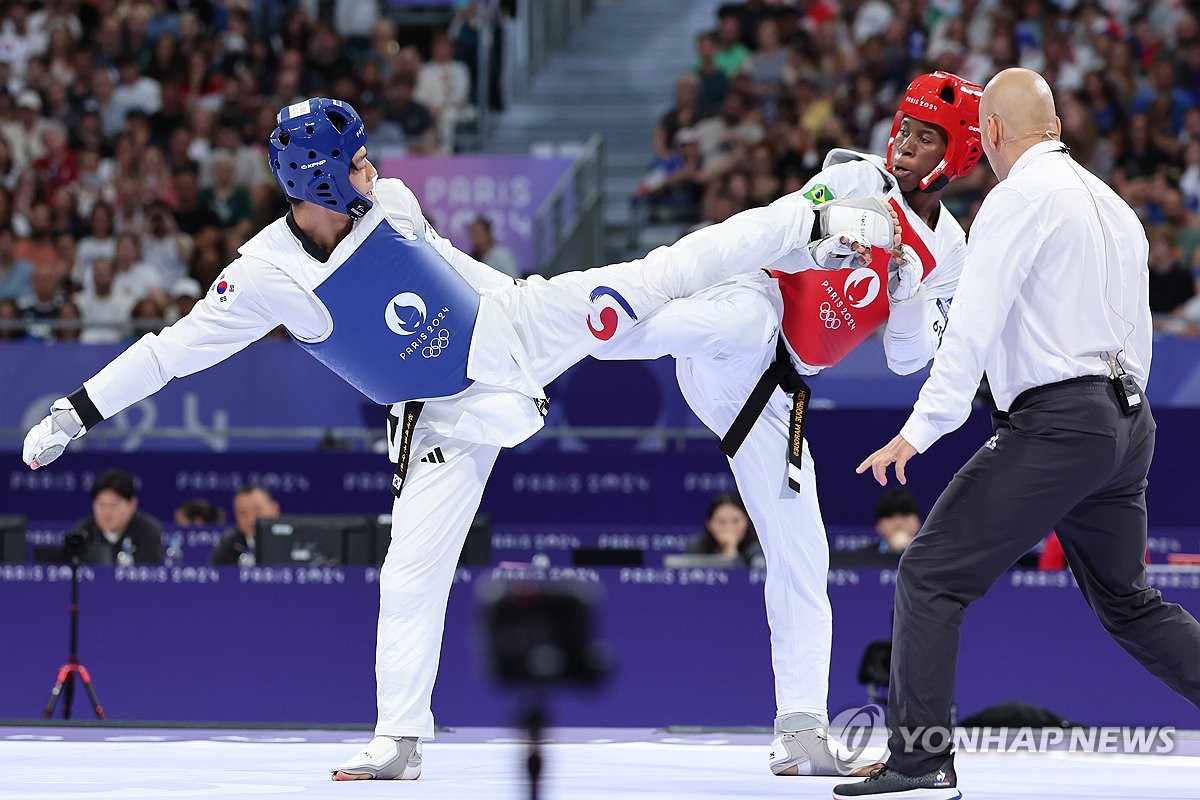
[781, 373]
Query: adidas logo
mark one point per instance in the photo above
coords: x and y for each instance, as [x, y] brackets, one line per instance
[434, 456]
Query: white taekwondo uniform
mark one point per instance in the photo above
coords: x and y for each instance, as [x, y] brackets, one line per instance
[401, 314]
[726, 336]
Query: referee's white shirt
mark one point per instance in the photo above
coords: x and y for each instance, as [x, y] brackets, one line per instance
[1055, 281]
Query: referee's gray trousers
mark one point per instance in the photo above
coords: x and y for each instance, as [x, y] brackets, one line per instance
[1065, 459]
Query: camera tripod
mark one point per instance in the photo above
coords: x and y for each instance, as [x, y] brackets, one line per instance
[533, 720]
[68, 671]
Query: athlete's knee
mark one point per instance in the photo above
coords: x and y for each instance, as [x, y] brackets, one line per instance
[750, 323]
[804, 579]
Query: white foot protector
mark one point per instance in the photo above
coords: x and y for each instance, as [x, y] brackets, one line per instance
[385, 758]
[866, 220]
[803, 746]
[843, 225]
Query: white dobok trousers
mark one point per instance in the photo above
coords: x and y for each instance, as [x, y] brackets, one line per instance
[724, 338]
[554, 320]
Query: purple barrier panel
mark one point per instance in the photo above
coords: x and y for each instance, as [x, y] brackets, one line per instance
[302, 482]
[1033, 638]
[603, 483]
[203, 645]
[279, 386]
[507, 189]
[268, 385]
[260, 645]
[862, 380]
[556, 543]
[1175, 374]
[690, 647]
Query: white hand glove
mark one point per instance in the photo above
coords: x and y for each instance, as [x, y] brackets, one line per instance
[839, 252]
[47, 440]
[850, 228]
[904, 275]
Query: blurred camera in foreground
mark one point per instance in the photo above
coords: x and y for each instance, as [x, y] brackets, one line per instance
[541, 633]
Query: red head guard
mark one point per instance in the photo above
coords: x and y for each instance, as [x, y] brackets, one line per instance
[951, 103]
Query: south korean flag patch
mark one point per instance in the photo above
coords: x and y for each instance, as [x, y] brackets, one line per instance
[224, 291]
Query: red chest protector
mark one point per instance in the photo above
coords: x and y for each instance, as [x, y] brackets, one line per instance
[827, 313]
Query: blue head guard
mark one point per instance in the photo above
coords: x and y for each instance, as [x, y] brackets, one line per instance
[312, 147]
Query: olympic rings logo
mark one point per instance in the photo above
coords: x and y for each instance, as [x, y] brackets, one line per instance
[830, 317]
[437, 344]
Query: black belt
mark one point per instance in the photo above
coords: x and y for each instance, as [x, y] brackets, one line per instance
[782, 374]
[404, 425]
[1027, 395]
[406, 422]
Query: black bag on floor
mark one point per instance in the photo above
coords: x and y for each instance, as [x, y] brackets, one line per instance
[1015, 714]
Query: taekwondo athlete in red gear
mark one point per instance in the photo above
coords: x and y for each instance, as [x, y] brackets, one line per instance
[768, 329]
[459, 353]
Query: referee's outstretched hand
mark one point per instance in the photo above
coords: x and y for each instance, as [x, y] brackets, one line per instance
[898, 451]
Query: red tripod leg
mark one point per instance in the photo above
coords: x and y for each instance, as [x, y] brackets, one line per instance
[56, 691]
[86, 678]
[69, 691]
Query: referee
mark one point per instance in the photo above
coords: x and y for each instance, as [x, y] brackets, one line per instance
[1053, 304]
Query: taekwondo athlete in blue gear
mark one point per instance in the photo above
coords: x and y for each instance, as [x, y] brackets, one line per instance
[459, 351]
[388, 356]
[380, 355]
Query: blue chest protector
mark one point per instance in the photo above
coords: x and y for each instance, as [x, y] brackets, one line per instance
[403, 319]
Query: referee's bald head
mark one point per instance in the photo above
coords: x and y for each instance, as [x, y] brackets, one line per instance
[1015, 113]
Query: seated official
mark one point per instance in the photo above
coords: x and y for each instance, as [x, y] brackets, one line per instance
[117, 533]
[727, 531]
[197, 512]
[238, 546]
[897, 520]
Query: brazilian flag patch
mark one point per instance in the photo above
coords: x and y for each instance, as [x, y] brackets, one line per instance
[818, 194]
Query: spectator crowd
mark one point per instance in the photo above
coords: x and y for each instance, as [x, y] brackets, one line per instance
[133, 139]
[776, 85]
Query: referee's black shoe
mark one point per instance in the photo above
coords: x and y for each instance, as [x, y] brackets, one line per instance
[941, 784]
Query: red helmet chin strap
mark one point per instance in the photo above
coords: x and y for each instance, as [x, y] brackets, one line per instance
[951, 103]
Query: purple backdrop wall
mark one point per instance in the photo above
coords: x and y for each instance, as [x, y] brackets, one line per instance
[250, 647]
[284, 645]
